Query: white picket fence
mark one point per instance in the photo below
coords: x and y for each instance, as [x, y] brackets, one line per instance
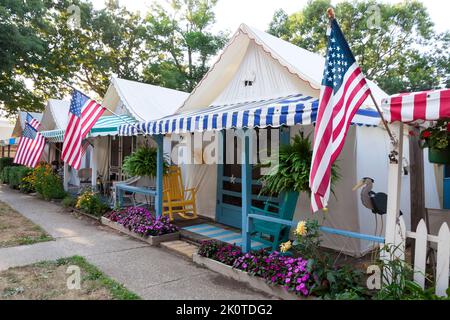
[423, 240]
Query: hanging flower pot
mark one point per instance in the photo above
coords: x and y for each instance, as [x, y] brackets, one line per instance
[440, 156]
[437, 139]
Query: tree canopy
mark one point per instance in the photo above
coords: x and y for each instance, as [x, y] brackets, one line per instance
[395, 44]
[180, 43]
[48, 46]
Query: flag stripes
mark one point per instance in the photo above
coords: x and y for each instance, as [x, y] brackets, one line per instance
[343, 91]
[31, 146]
[83, 114]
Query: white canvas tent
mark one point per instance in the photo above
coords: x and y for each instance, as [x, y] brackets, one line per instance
[139, 102]
[53, 125]
[20, 122]
[257, 67]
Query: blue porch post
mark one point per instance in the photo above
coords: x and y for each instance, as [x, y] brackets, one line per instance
[246, 192]
[159, 175]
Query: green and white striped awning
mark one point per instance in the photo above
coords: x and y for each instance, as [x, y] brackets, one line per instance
[105, 126]
[109, 125]
[54, 135]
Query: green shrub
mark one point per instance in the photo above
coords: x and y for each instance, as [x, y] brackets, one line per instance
[47, 184]
[5, 175]
[6, 162]
[16, 175]
[52, 187]
[27, 183]
[91, 203]
[69, 202]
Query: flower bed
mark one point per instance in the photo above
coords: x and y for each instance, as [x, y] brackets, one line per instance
[277, 270]
[139, 223]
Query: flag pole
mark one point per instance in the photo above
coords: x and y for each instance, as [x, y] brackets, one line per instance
[118, 116]
[331, 16]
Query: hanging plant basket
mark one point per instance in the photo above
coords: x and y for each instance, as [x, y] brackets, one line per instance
[440, 156]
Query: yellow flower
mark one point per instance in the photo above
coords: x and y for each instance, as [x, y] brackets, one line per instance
[284, 247]
[301, 228]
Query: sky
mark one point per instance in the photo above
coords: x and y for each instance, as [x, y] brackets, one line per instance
[258, 13]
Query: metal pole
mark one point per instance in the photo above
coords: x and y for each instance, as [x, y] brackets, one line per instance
[246, 192]
[159, 175]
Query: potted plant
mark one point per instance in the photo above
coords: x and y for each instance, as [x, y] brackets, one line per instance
[142, 163]
[436, 138]
[291, 175]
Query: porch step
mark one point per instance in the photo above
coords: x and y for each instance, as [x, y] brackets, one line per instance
[181, 247]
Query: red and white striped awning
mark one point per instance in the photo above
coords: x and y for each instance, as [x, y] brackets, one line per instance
[409, 107]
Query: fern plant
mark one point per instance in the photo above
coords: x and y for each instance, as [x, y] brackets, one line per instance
[142, 162]
[292, 171]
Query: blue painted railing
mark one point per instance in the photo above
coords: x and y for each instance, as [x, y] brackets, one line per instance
[345, 233]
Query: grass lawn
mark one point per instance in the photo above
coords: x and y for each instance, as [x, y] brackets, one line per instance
[16, 230]
[48, 281]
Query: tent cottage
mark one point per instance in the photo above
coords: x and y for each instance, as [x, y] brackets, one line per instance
[131, 102]
[260, 81]
[53, 126]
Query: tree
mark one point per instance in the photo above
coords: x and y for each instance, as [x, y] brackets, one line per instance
[400, 50]
[22, 53]
[107, 42]
[42, 54]
[180, 43]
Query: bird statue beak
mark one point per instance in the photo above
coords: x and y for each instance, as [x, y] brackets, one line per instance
[358, 185]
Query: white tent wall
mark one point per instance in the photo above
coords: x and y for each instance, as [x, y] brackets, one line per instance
[373, 147]
[203, 177]
[343, 212]
[269, 79]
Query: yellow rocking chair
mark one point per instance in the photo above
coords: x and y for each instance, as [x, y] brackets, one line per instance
[177, 199]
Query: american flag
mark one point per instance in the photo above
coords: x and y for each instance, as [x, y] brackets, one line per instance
[32, 121]
[31, 146]
[83, 114]
[85, 145]
[343, 90]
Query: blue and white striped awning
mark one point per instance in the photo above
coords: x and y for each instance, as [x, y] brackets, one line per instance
[285, 111]
[105, 126]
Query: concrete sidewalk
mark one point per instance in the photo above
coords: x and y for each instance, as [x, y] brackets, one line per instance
[150, 272]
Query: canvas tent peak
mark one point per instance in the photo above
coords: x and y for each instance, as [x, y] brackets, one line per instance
[55, 115]
[20, 122]
[141, 101]
[303, 68]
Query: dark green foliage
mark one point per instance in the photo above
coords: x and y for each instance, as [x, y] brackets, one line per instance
[5, 175]
[292, 171]
[40, 44]
[332, 281]
[180, 48]
[142, 163]
[48, 184]
[400, 51]
[16, 174]
[404, 287]
[69, 202]
[91, 203]
[6, 162]
[52, 187]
